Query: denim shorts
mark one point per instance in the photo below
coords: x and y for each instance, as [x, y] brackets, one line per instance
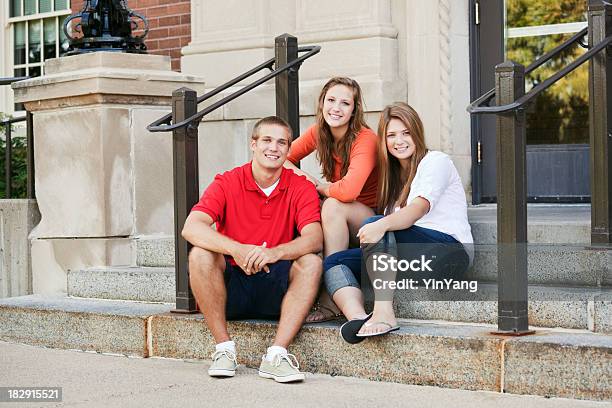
[257, 296]
[343, 268]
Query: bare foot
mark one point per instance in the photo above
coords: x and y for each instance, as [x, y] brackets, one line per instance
[324, 310]
[379, 323]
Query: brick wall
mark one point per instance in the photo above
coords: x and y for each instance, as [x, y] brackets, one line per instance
[169, 25]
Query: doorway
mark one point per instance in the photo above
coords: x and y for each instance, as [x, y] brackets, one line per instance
[557, 121]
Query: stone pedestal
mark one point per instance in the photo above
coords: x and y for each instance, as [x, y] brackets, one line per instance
[102, 180]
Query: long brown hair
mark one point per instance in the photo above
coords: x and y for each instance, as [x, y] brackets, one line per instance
[394, 182]
[326, 145]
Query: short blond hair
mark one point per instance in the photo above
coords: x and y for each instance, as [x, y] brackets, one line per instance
[271, 120]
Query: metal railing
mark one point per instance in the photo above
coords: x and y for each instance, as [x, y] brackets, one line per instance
[511, 156]
[184, 121]
[8, 153]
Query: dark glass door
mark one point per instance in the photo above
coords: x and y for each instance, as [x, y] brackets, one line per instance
[557, 121]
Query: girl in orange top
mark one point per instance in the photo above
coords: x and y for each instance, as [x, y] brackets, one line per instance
[347, 151]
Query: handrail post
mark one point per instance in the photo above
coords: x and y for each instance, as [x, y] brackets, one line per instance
[30, 154]
[286, 84]
[8, 153]
[186, 191]
[512, 316]
[600, 118]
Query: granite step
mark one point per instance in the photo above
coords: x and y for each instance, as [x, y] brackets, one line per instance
[587, 308]
[82, 324]
[549, 306]
[555, 264]
[546, 223]
[572, 364]
[147, 284]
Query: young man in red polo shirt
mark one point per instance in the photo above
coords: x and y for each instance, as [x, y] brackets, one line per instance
[260, 262]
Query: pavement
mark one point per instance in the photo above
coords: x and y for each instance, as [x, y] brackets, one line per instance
[102, 380]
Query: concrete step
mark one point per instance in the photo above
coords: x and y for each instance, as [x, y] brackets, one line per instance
[82, 324]
[587, 308]
[556, 264]
[546, 223]
[147, 284]
[567, 264]
[157, 251]
[551, 363]
[549, 306]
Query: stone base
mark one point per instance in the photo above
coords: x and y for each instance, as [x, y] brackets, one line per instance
[53, 258]
[17, 218]
[549, 363]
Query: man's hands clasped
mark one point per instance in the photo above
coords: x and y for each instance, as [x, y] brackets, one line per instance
[252, 258]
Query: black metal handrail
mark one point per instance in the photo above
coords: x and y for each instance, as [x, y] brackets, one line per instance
[575, 39]
[161, 125]
[542, 86]
[7, 124]
[8, 81]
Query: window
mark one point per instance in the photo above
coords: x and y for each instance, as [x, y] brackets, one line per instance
[38, 33]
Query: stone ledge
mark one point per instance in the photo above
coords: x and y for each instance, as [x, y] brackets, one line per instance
[438, 354]
[83, 324]
[550, 363]
[447, 356]
[559, 364]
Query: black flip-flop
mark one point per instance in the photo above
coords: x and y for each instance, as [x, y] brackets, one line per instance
[349, 330]
[362, 336]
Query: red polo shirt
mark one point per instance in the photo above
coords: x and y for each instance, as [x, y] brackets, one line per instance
[245, 214]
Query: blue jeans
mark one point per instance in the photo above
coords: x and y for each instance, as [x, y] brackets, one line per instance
[343, 268]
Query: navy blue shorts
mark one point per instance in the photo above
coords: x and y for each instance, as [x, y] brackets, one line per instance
[257, 296]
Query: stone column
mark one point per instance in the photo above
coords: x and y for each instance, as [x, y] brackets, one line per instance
[102, 180]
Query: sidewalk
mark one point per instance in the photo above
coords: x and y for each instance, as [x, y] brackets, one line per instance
[96, 380]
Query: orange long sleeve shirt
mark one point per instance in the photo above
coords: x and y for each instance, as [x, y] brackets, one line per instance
[361, 180]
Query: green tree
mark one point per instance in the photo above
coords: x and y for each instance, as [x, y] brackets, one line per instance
[19, 174]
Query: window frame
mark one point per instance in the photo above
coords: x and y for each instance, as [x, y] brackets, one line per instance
[9, 26]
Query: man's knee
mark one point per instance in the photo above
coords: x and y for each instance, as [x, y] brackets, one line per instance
[309, 266]
[202, 261]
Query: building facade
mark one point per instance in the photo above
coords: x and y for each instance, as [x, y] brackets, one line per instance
[436, 55]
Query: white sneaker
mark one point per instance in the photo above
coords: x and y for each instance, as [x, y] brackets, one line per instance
[223, 364]
[284, 368]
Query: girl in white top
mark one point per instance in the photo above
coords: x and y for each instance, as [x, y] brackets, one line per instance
[423, 202]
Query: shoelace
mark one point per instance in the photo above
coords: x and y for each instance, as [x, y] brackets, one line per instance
[290, 359]
[218, 354]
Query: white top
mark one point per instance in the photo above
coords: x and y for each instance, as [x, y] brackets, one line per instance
[267, 191]
[438, 182]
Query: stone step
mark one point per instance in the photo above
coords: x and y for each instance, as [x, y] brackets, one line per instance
[558, 264]
[547, 224]
[82, 324]
[558, 363]
[549, 306]
[155, 251]
[568, 264]
[147, 284]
